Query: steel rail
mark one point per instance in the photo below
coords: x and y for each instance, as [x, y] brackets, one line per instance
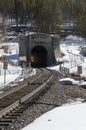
[29, 97]
[6, 93]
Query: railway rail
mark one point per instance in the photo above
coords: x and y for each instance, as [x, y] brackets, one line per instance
[15, 101]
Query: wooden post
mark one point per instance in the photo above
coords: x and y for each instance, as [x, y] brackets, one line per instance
[5, 65]
[4, 76]
[79, 70]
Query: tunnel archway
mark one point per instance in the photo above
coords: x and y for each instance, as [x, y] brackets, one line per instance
[39, 57]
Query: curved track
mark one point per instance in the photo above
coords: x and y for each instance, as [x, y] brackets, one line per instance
[15, 101]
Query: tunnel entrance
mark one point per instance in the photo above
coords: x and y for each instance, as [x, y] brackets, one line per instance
[39, 57]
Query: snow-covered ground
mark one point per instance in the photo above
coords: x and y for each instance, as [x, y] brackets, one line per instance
[13, 71]
[71, 48]
[13, 48]
[69, 116]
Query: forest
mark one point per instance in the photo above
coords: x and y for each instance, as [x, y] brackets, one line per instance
[47, 15]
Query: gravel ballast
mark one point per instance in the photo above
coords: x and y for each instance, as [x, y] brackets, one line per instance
[55, 96]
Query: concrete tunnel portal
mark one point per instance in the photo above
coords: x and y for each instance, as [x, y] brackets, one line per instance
[39, 57]
[37, 50]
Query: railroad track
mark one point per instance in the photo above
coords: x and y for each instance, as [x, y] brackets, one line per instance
[14, 102]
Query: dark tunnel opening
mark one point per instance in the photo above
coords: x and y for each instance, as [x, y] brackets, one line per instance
[38, 57]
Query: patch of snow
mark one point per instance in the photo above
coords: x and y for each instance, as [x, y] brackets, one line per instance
[69, 79]
[83, 83]
[9, 78]
[1, 91]
[61, 118]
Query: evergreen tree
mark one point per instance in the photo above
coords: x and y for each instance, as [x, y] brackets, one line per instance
[46, 14]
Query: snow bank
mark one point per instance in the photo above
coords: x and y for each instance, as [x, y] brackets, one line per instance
[62, 118]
